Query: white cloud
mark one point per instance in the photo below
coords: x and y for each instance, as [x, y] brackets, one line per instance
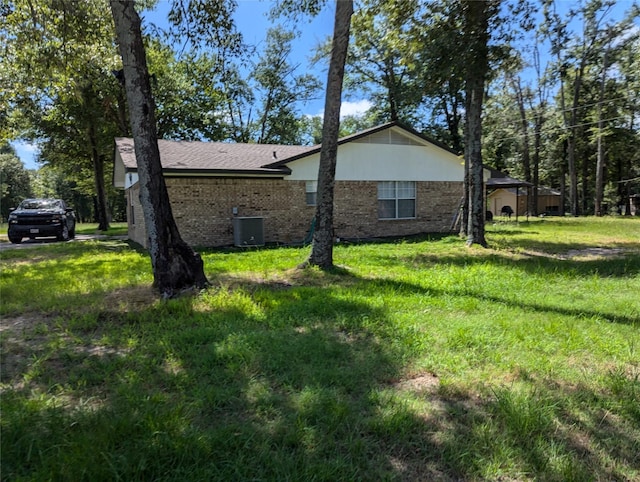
[355, 108]
[347, 108]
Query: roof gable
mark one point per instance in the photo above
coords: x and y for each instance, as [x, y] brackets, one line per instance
[389, 133]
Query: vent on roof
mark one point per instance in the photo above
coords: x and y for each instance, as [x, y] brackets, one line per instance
[388, 137]
[248, 231]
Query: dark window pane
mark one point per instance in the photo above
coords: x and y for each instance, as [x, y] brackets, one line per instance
[386, 209]
[311, 198]
[406, 208]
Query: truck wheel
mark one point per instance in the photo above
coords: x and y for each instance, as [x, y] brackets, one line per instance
[64, 233]
[15, 239]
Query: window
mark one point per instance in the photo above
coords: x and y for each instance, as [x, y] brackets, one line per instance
[396, 199]
[311, 191]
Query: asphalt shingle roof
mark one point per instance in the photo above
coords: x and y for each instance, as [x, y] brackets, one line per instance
[214, 156]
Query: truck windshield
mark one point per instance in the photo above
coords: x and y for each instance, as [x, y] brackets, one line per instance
[40, 204]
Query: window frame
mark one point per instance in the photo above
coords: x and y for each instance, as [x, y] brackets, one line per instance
[311, 189]
[396, 191]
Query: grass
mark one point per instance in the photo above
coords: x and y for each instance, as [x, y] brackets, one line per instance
[416, 360]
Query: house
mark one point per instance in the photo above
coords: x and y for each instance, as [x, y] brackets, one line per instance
[517, 198]
[390, 181]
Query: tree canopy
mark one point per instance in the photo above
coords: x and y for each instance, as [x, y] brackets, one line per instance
[561, 97]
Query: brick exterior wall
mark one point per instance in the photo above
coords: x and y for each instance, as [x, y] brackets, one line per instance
[203, 209]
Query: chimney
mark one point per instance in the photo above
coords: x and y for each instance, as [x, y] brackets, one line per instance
[274, 155]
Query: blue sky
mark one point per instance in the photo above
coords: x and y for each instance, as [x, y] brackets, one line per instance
[252, 21]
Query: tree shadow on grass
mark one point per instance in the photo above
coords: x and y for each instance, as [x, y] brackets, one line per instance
[271, 390]
[573, 260]
[539, 432]
[274, 381]
[507, 300]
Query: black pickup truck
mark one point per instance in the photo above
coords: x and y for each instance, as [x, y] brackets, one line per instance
[35, 218]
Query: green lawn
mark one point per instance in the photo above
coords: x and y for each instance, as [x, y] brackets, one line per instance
[416, 360]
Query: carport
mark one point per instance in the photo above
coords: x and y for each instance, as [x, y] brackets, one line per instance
[499, 180]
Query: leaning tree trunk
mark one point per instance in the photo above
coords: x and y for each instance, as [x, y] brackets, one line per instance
[175, 265]
[322, 247]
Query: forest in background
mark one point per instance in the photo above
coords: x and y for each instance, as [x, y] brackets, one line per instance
[561, 107]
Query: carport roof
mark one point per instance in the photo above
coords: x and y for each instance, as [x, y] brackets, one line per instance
[500, 180]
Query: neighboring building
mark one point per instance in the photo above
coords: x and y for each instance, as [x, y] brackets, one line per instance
[517, 197]
[390, 181]
[634, 204]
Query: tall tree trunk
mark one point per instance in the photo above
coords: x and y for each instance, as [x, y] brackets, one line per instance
[572, 171]
[600, 144]
[452, 118]
[322, 247]
[537, 145]
[175, 265]
[102, 212]
[392, 92]
[563, 179]
[526, 147]
[477, 16]
[574, 201]
[584, 191]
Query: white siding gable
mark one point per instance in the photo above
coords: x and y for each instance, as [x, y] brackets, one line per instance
[386, 156]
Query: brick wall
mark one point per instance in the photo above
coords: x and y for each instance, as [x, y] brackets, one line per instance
[203, 209]
[436, 203]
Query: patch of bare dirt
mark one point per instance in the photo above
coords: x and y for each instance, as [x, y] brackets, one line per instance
[291, 278]
[427, 382]
[592, 253]
[582, 254]
[131, 299]
[23, 323]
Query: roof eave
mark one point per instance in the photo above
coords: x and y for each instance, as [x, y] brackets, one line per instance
[175, 172]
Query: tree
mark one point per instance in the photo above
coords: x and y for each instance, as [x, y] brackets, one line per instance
[193, 77]
[15, 184]
[322, 246]
[476, 30]
[381, 61]
[58, 53]
[280, 89]
[440, 50]
[600, 134]
[175, 265]
[590, 94]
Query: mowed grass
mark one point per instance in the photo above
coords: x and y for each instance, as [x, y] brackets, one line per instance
[414, 360]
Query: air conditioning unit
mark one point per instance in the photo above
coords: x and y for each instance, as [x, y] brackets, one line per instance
[248, 231]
